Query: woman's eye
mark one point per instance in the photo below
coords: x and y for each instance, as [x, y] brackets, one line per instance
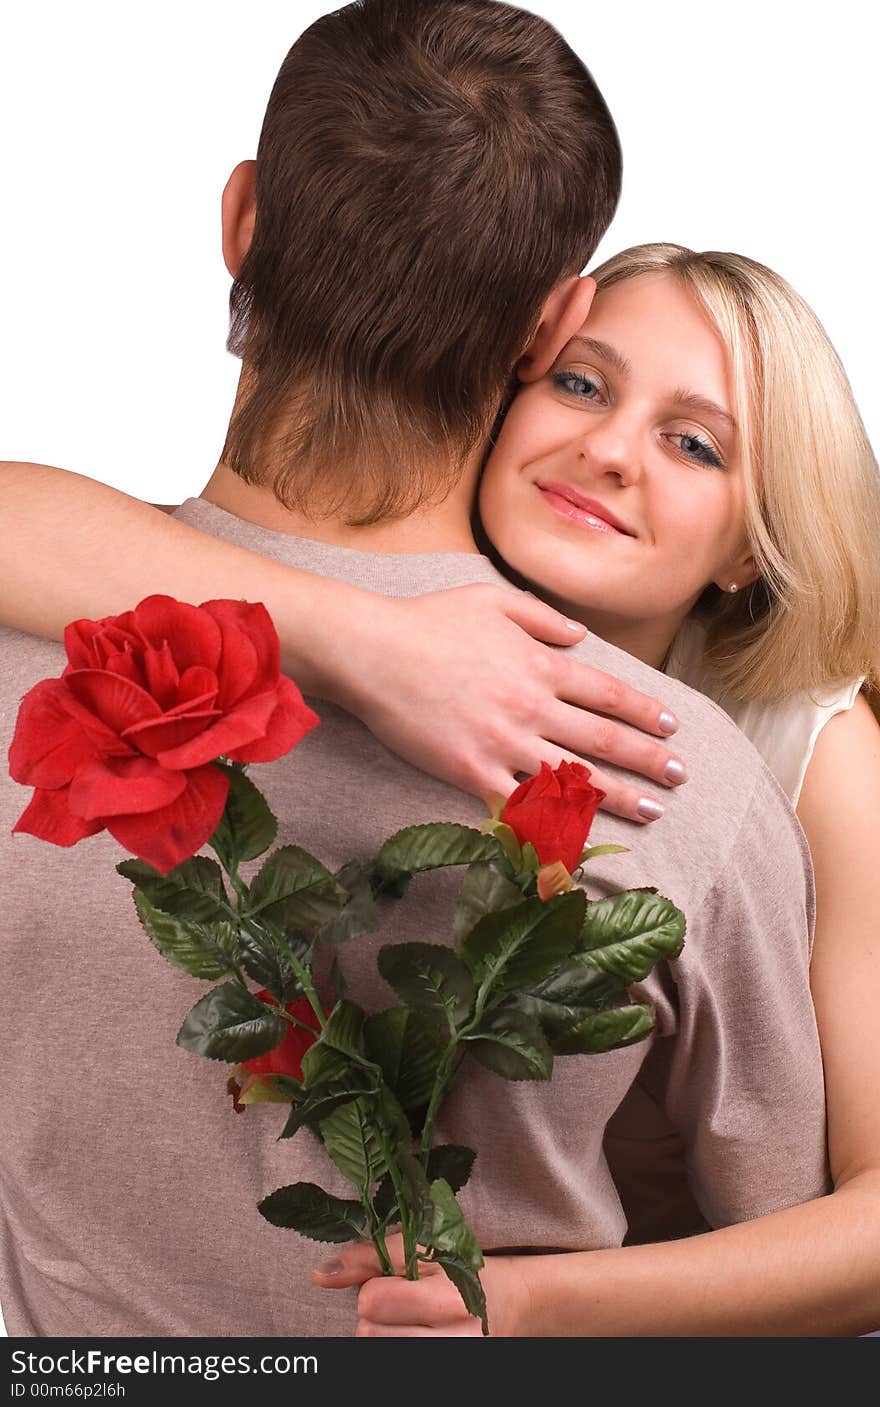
[575, 384]
[698, 450]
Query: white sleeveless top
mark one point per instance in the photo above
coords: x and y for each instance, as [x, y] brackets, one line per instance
[784, 731]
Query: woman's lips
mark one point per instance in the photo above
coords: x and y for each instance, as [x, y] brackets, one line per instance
[570, 510]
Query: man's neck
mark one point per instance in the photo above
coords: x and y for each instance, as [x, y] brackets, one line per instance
[443, 527]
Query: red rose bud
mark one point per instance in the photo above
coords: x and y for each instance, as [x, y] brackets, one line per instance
[554, 811]
[125, 740]
[253, 1081]
[286, 1058]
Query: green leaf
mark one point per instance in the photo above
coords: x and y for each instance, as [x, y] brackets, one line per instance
[294, 890]
[311, 1211]
[450, 1233]
[555, 1018]
[352, 1141]
[429, 976]
[452, 1162]
[359, 915]
[564, 998]
[385, 1202]
[433, 847]
[264, 961]
[343, 1028]
[506, 837]
[404, 1043]
[322, 1063]
[337, 978]
[230, 1024]
[467, 1281]
[247, 827]
[392, 1119]
[531, 862]
[576, 982]
[389, 886]
[417, 1195]
[206, 950]
[605, 1030]
[593, 850]
[518, 946]
[317, 1106]
[629, 933]
[484, 890]
[385, 1198]
[513, 1045]
[194, 889]
[337, 1048]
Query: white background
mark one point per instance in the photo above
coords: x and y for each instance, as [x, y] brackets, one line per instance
[746, 126]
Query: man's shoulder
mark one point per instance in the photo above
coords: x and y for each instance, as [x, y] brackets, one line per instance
[731, 807]
[722, 763]
[703, 723]
[25, 660]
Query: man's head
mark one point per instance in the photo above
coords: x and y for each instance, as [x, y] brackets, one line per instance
[431, 177]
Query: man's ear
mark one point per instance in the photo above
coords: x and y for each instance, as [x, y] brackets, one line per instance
[563, 314]
[238, 211]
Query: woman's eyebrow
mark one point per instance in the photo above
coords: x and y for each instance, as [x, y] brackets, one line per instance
[701, 405]
[605, 350]
[687, 400]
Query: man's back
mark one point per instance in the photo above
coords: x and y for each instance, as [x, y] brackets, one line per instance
[129, 1184]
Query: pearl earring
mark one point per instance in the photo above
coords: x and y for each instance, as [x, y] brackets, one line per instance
[733, 586]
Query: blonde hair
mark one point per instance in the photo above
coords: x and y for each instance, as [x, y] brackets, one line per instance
[812, 487]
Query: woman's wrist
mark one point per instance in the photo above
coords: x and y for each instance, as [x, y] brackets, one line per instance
[330, 648]
[513, 1285]
[549, 1295]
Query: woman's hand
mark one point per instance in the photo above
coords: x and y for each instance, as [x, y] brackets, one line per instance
[390, 1307]
[461, 684]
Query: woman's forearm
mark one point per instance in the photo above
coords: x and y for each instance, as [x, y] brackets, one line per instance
[812, 1270]
[437, 678]
[72, 547]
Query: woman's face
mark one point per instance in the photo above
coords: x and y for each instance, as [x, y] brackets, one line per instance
[635, 416]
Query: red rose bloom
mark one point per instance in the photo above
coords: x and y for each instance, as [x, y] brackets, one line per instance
[286, 1058]
[249, 1082]
[125, 740]
[554, 810]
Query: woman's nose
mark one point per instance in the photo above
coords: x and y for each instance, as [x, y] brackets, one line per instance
[609, 449]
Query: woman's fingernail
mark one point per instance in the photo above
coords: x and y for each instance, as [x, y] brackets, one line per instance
[668, 722]
[574, 625]
[675, 772]
[649, 810]
[330, 1267]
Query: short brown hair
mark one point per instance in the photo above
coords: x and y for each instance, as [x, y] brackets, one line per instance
[427, 172]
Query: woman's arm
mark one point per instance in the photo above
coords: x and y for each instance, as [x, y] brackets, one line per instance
[810, 1270]
[440, 679]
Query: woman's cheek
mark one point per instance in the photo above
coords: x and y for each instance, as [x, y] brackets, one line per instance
[498, 509]
[510, 524]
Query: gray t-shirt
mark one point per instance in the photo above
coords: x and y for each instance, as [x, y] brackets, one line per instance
[130, 1186]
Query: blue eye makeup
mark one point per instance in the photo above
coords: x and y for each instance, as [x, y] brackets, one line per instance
[587, 388]
[563, 378]
[700, 450]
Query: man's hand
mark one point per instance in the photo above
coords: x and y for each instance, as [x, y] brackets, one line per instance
[430, 1307]
[466, 685]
